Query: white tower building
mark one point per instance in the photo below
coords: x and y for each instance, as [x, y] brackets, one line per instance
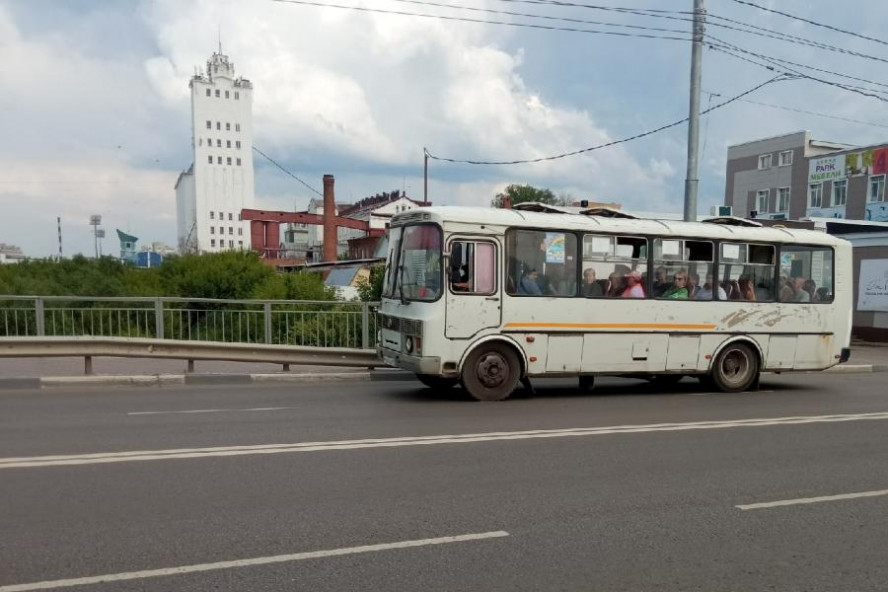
[219, 183]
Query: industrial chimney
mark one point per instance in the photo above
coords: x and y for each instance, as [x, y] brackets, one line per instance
[329, 220]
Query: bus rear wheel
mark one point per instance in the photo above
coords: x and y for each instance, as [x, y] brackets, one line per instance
[491, 372]
[736, 368]
[437, 383]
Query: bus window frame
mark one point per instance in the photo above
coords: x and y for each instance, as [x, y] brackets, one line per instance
[648, 259]
[506, 254]
[830, 248]
[400, 272]
[496, 264]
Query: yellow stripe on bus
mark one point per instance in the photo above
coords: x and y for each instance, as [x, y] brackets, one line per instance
[699, 327]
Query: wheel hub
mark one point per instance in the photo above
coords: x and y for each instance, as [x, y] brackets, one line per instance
[492, 370]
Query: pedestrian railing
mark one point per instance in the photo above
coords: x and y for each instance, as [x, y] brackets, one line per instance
[306, 323]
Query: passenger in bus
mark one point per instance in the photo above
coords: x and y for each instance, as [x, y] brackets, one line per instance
[822, 295]
[615, 285]
[591, 287]
[634, 288]
[528, 284]
[679, 289]
[693, 284]
[747, 292]
[811, 288]
[661, 282]
[705, 291]
[798, 290]
[784, 290]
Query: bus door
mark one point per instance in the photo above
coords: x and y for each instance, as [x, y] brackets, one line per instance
[473, 293]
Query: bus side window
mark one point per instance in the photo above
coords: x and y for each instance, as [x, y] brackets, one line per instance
[473, 267]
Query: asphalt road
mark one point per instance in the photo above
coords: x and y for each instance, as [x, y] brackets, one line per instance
[359, 486]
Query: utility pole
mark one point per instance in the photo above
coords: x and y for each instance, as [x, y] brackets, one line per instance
[691, 181]
[425, 177]
[59, 222]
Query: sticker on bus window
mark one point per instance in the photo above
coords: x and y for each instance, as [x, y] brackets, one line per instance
[671, 247]
[601, 244]
[554, 247]
[731, 252]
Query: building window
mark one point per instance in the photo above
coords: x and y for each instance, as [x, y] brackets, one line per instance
[228, 161]
[228, 143]
[212, 215]
[230, 217]
[209, 124]
[785, 158]
[227, 127]
[218, 126]
[231, 244]
[212, 230]
[217, 93]
[783, 199]
[208, 92]
[876, 189]
[226, 94]
[815, 195]
[210, 159]
[237, 127]
[240, 244]
[840, 192]
[238, 162]
[240, 231]
[237, 144]
[231, 230]
[221, 215]
[761, 200]
[764, 161]
[218, 160]
[213, 243]
[218, 143]
[236, 96]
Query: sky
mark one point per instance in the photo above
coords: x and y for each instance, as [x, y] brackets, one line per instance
[95, 104]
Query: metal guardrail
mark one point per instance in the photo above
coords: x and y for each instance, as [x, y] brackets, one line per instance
[304, 323]
[88, 347]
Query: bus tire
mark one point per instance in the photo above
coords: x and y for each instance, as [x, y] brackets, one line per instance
[491, 372]
[437, 383]
[736, 368]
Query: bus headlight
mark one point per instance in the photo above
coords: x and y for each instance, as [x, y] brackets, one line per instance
[408, 345]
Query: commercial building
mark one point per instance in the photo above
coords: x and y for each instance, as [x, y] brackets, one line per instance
[219, 182]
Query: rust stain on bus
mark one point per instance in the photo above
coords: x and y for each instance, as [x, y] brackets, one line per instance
[692, 327]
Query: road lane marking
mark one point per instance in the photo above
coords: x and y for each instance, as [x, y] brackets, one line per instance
[185, 569]
[814, 500]
[185, 411]
[180, 453]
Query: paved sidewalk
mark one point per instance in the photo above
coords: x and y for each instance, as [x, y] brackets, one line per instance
[42, 372]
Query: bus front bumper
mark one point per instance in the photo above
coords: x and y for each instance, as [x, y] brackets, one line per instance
[415, 364]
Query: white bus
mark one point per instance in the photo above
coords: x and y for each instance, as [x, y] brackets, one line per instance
[490, 297]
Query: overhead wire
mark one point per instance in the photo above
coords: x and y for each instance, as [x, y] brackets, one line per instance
[281, 167]
[803, 111]
[777, 78]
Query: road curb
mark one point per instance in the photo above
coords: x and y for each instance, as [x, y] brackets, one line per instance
[855, 369]
[158, 380]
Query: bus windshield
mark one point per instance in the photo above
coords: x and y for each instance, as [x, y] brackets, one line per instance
[413, 271]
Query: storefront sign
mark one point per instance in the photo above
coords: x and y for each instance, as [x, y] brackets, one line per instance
[826, 168]
[873, 287]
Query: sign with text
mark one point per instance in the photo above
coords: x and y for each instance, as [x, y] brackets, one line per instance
[873, 286]
[826, 168]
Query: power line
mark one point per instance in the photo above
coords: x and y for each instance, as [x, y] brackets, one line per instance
[796, 110]
[810, 22]
[778, 78]
[275, 163]
[483, 21]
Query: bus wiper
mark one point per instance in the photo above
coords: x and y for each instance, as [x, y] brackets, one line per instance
[401, 285]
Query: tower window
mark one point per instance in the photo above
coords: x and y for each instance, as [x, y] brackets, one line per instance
[227, 127]
[218, 160]
[238, 162]
[209, 124]
[218, 125]
[228, 144]
[210, 159]
[217, 93]
[208, 92]
[226, 94]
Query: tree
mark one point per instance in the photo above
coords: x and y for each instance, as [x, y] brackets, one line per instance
[523, 193]
[370, 289]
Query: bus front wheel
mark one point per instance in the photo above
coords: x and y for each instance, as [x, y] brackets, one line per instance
[437, 383]
[491, 372]
[736, 369]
